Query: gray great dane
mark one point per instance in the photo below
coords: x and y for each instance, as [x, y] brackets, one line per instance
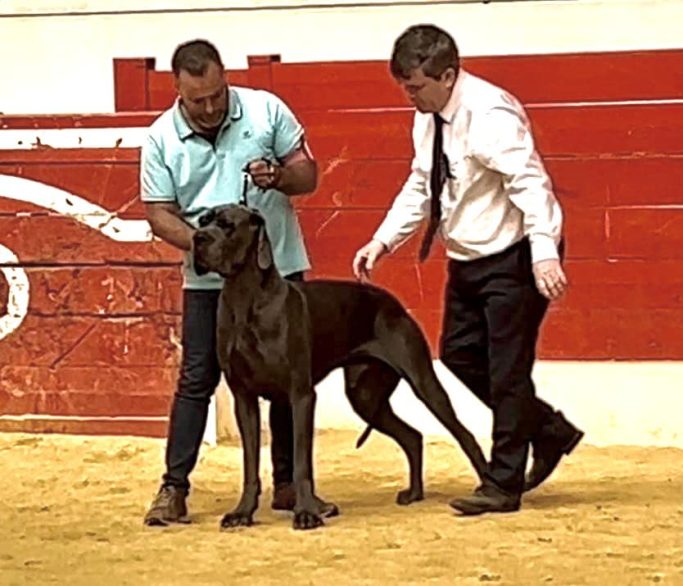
[277, 339]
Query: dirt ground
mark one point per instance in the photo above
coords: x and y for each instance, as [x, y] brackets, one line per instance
[71, 513]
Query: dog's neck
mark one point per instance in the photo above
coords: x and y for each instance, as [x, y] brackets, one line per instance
[252, 286]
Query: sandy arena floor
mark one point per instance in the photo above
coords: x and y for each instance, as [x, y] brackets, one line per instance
[71, 511]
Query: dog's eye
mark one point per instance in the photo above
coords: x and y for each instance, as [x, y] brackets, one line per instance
[255, 217]
[206, 219]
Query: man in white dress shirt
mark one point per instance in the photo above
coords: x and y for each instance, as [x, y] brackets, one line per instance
[477, 177]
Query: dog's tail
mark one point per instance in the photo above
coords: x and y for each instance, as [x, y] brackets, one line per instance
[364, 436]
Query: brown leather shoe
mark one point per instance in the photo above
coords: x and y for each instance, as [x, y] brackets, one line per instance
[486, 498]
[167, 507]
[284, 499]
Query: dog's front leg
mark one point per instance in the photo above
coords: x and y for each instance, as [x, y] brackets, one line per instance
[307, 509]
[248, 421]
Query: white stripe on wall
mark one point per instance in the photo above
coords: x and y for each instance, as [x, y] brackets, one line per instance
[72, 138]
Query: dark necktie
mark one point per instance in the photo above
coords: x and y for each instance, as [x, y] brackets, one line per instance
[437, 180]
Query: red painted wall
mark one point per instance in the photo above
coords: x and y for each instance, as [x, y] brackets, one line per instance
[101, 336]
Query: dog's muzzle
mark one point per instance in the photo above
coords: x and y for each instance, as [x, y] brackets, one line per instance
[201, 241]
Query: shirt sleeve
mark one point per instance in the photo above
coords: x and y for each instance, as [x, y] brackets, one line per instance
[411, 205]
[156, 182]
[287, 130]
[501, 140]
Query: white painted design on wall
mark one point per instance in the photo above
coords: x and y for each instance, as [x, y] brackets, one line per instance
[80, 209]
[18, 296]
[66, 204]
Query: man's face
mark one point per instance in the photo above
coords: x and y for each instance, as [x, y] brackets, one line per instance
[426, 93]
[204, 97]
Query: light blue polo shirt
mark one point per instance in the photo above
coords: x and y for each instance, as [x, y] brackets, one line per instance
[177, 165]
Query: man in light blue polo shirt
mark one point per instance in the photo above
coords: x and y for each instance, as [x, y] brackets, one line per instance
[219, 145]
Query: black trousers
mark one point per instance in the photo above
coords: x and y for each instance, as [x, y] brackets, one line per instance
[493, 313]
[199, 377]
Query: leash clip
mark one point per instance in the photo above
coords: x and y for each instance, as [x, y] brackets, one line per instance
[245, 188]
[245, 185]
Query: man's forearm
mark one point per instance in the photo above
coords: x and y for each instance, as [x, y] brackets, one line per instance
[298, 178]
[172, 229]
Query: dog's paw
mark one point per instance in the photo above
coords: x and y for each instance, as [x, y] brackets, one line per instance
[306, 520]
[409, 495]
[327, 510]
[235, 519]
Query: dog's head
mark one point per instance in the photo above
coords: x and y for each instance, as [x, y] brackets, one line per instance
[228, 239]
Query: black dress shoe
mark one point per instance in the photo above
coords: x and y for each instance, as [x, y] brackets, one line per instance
[486, 499]
[547, 455]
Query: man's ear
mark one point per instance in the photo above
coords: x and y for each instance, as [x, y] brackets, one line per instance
[264, 254]
[449, 76]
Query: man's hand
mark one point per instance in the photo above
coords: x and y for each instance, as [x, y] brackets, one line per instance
[366, 258]
[550, 279]
[166, 222]
[264, 173]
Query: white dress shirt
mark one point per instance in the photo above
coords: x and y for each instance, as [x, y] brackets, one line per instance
[499, 191]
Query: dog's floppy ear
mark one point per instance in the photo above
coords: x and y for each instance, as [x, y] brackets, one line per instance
[264, 254]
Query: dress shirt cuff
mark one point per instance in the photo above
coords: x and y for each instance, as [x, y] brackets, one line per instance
[386, 236]
[543, 248]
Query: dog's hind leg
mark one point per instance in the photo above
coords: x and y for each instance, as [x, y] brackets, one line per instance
[432, 394]
[368, 387]
[414, 361]
[428, 389]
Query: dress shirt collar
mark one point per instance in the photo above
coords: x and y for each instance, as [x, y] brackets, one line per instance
[449, 110]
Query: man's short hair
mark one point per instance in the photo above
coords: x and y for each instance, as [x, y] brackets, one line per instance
[195, 57]
[424, 46]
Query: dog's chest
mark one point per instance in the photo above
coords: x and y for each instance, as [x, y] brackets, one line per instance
[251, 362]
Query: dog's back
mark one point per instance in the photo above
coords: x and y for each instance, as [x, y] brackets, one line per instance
[345, 319]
